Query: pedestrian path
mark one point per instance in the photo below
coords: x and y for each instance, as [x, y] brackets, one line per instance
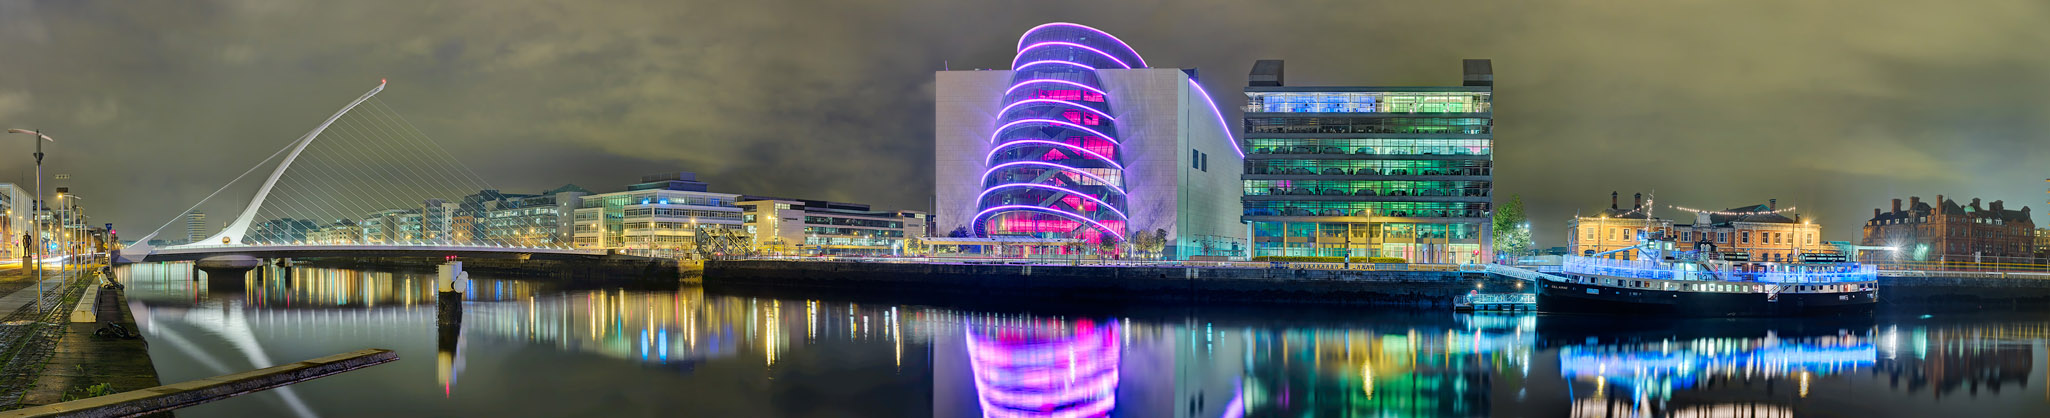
[27, 295]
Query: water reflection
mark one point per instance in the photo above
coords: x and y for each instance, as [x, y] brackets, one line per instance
[746, 356]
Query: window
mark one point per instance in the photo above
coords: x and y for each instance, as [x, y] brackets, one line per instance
[1590, 232]
[1206, 163]
[1744, 237]
[1195, 159]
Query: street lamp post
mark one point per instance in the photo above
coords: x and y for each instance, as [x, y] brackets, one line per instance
[35, 208]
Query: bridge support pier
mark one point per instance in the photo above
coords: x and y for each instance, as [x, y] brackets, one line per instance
[227, 272]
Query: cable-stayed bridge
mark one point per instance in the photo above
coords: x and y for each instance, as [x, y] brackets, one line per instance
[364, 182]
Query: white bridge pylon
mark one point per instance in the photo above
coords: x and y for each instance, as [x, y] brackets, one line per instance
[236, 229]
[358, 168]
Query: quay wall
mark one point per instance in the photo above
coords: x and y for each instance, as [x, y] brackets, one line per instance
[1102, 283]
[2015, 292]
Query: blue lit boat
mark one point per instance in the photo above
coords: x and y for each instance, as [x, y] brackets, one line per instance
[1706, 283]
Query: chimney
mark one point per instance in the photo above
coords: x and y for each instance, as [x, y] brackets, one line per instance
[1896, 206]
[1612, 200]
[1637, 201]
[1914, 202]
[1975, 204]
[1772, 204]
[1998, 207]
[1940, 200]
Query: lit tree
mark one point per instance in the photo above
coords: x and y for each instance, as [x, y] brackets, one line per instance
[1512, 229]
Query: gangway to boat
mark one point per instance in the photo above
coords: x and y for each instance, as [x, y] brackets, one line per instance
[1523, 274]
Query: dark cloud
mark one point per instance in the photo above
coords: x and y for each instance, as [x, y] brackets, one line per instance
[1834, 106]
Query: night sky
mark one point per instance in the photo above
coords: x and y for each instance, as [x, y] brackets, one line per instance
[1833, 106]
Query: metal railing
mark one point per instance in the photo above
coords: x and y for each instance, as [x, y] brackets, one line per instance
[1497, 298]
[1059, 261]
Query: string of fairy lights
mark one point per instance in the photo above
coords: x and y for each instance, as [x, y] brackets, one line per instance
[1728, 213]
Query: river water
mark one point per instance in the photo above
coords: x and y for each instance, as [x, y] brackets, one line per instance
[536, 348]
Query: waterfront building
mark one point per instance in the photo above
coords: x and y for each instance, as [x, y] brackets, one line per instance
[1614, 228]
[1372, 171]
[434, 220]
[1948, 231]
[2042, 243]
[1082, 140]
[391, 226]
[657, 217]
[195, 227]
[467, 221]
[1762, 232]
[799, 226]
[341, 231]
[280, 231]
[542, 220]
[15, 223]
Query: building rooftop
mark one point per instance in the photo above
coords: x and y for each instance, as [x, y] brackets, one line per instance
[1916, 207]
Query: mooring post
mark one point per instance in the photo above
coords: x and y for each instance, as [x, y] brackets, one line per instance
[448, 296]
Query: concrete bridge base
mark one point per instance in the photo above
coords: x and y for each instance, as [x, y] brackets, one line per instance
[227, 272]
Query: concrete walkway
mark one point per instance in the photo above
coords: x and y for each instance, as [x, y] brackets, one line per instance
[27, 296]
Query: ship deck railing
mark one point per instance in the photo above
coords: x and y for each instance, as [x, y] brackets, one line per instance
[1772, 274]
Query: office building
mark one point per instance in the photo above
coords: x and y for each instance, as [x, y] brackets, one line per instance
[1370, 171]
[195, 227]
[796, 226]
[16, 223]
[466, 223]
[542, 220]
[391, 226]
[280, 231]
[434, 220]
[341, 231]
[1082, 140]
[657, 217]
[1951, 232]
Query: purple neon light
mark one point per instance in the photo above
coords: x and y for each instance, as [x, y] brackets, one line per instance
[1000, 147]
[1021, 52]
[993, 170]
[1121, 42]
[1071, 376]
[1220, 118]
[1077, 64]
[1099, 225]
[1090, 109]
[1113, 209]
[1000, 129]
[1014, 87]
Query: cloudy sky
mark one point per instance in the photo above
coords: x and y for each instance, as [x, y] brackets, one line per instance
[1833, 106]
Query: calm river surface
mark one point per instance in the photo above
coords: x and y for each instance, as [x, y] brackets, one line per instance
[535, 348]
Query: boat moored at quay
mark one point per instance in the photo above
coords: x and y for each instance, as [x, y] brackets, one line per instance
[1698, 283]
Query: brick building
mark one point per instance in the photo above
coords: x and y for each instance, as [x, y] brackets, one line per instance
[1948, 231]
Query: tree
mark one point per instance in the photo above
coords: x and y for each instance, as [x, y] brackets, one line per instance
[1151, 244]
[1106, 247]
[961, 232]
[1511, 228]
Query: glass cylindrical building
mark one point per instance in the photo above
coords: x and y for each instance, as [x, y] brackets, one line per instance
[1056, 165]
